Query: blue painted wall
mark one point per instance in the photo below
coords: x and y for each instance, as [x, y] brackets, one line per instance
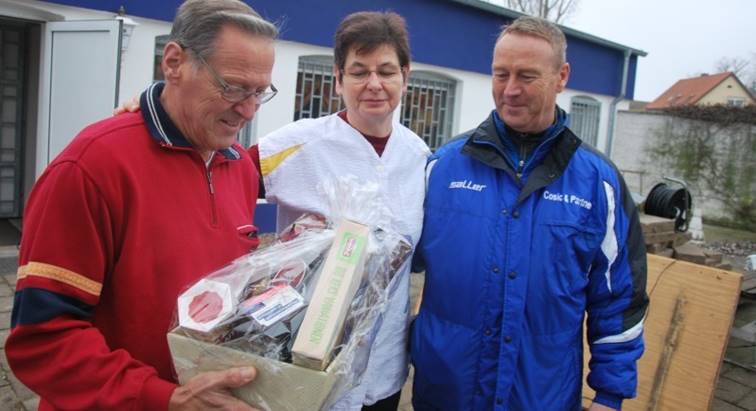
[442, 33]
[266, 217]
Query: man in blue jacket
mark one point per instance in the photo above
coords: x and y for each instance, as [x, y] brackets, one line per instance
[526, 230]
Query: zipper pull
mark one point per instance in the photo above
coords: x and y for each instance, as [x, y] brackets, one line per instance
[519, 169]
[210, 181]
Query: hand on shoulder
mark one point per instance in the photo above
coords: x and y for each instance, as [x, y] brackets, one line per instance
[130, 106]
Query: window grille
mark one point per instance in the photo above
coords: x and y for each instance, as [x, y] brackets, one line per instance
[316, 88]
[428, 107]
[585, 115]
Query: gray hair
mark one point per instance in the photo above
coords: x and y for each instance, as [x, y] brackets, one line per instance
[198, 23]
[541, 28]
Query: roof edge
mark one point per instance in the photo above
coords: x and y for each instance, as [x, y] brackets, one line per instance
[747, 90]
[503, 11]
[722, 80]
[724, 76]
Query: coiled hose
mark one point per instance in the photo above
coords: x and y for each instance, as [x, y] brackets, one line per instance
[663, 201]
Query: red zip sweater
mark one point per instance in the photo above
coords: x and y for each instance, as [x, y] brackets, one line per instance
[121, 222]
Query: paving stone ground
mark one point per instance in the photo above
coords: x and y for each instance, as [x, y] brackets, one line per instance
[13, 394]
[736, 389]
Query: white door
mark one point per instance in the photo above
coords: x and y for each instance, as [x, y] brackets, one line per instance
[80, 71]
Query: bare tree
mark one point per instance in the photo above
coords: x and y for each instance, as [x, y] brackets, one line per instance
[736, 65]
[554, 10]
[743, 68]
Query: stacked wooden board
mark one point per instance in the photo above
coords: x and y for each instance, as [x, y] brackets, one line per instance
[686, 330]
[661, 239]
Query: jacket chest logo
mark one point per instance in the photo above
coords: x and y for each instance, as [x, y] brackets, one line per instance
[467, 185]
[567, 199]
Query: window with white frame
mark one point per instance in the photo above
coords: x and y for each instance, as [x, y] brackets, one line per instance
[585, 115]
[316, 88]
[735, 101]
[428, 107]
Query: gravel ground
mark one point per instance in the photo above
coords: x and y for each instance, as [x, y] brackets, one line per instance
[735, 245]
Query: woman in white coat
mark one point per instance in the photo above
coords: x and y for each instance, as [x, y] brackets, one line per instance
[371, 66]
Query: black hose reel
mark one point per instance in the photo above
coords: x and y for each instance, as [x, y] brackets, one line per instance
[668, 202]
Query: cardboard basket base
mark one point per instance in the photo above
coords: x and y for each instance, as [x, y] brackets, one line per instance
[279, 386]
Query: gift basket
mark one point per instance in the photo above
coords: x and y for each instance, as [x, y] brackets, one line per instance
[304, 310]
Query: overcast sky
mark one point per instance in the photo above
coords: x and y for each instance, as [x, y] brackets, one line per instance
[683, 38]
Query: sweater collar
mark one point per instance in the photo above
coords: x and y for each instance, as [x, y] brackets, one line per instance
[161, 127]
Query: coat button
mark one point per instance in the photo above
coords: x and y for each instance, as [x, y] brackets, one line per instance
[508, 339]
[487, 332]
[515, 214]
[512, 275]
[504, 211]
[496, 269]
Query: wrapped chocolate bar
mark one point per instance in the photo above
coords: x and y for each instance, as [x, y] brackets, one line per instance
[304, 310]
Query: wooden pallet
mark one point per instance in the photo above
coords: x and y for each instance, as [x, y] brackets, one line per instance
[686, 331]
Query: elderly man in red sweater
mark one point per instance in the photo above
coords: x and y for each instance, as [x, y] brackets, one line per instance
[133, 211]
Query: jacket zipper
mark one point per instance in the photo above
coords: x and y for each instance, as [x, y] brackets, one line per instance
[521, 166]
[213, 210]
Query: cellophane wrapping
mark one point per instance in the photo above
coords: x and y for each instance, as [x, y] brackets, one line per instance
[257, 302]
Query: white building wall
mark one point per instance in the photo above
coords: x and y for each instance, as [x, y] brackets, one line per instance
[280, 111]
[137, 62]
[564, 100]
[634, 132]
[473, 101]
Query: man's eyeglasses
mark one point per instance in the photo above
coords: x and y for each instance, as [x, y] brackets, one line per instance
[235, 94]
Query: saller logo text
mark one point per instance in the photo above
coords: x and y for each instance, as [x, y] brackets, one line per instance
[467, 185]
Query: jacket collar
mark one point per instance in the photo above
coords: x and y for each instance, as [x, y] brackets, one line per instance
[485, 145]
[546, 164]
[161, 127]
[544, 140]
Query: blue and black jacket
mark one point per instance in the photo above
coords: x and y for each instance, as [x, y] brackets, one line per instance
[516, 254]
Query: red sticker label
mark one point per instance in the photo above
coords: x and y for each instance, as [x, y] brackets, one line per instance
[205, 307]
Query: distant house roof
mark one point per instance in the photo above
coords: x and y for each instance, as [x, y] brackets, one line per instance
[690, 90]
